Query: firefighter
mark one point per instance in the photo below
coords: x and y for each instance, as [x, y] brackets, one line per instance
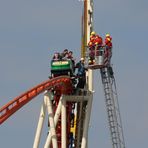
[94, 45]
[108, 36]
[108, 41]
[98, 41]
[98, 44]
[92, 35]
[91, 43]
[108, 46]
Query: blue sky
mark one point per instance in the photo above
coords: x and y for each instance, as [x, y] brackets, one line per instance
[31, 31]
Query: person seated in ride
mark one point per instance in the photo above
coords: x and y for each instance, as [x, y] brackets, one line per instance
[70, 55]
[108, 46]
[66, 57]
[62, 55]
[56, 56]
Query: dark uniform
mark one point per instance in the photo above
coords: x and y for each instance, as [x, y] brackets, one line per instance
[81, 74]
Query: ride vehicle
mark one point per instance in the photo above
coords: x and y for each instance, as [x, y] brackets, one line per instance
[62, 67]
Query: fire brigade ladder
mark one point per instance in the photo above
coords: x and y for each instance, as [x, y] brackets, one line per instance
[112, 107]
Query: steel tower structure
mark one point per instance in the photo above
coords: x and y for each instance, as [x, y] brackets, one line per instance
[69, 111]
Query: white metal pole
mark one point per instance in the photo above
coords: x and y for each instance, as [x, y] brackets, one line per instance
[63, 122]
[89, 26]
[79, 123]
[56, 117]
[90, 80]
[51, 121]
[40, 125]
[86, 123]
[86, 79]
[89, 29]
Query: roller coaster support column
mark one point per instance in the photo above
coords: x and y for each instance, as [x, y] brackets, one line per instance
[51, 121]
[63, 123]
[88, 112]
[56, 117]
[46, 105]
[90, 80]
[40, 125]
[86, 124]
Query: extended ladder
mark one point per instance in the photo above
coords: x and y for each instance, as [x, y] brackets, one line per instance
[112, 107]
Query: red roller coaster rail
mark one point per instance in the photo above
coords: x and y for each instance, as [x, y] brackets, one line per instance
[63, 83]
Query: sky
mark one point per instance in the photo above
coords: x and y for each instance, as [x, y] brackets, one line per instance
[32, 30]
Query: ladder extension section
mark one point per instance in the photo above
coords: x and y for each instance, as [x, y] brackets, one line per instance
[112, 107]
[63, 82]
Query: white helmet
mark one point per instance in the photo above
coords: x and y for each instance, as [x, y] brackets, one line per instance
[82, 59]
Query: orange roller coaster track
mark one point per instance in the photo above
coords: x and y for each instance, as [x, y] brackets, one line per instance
[63, 83]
